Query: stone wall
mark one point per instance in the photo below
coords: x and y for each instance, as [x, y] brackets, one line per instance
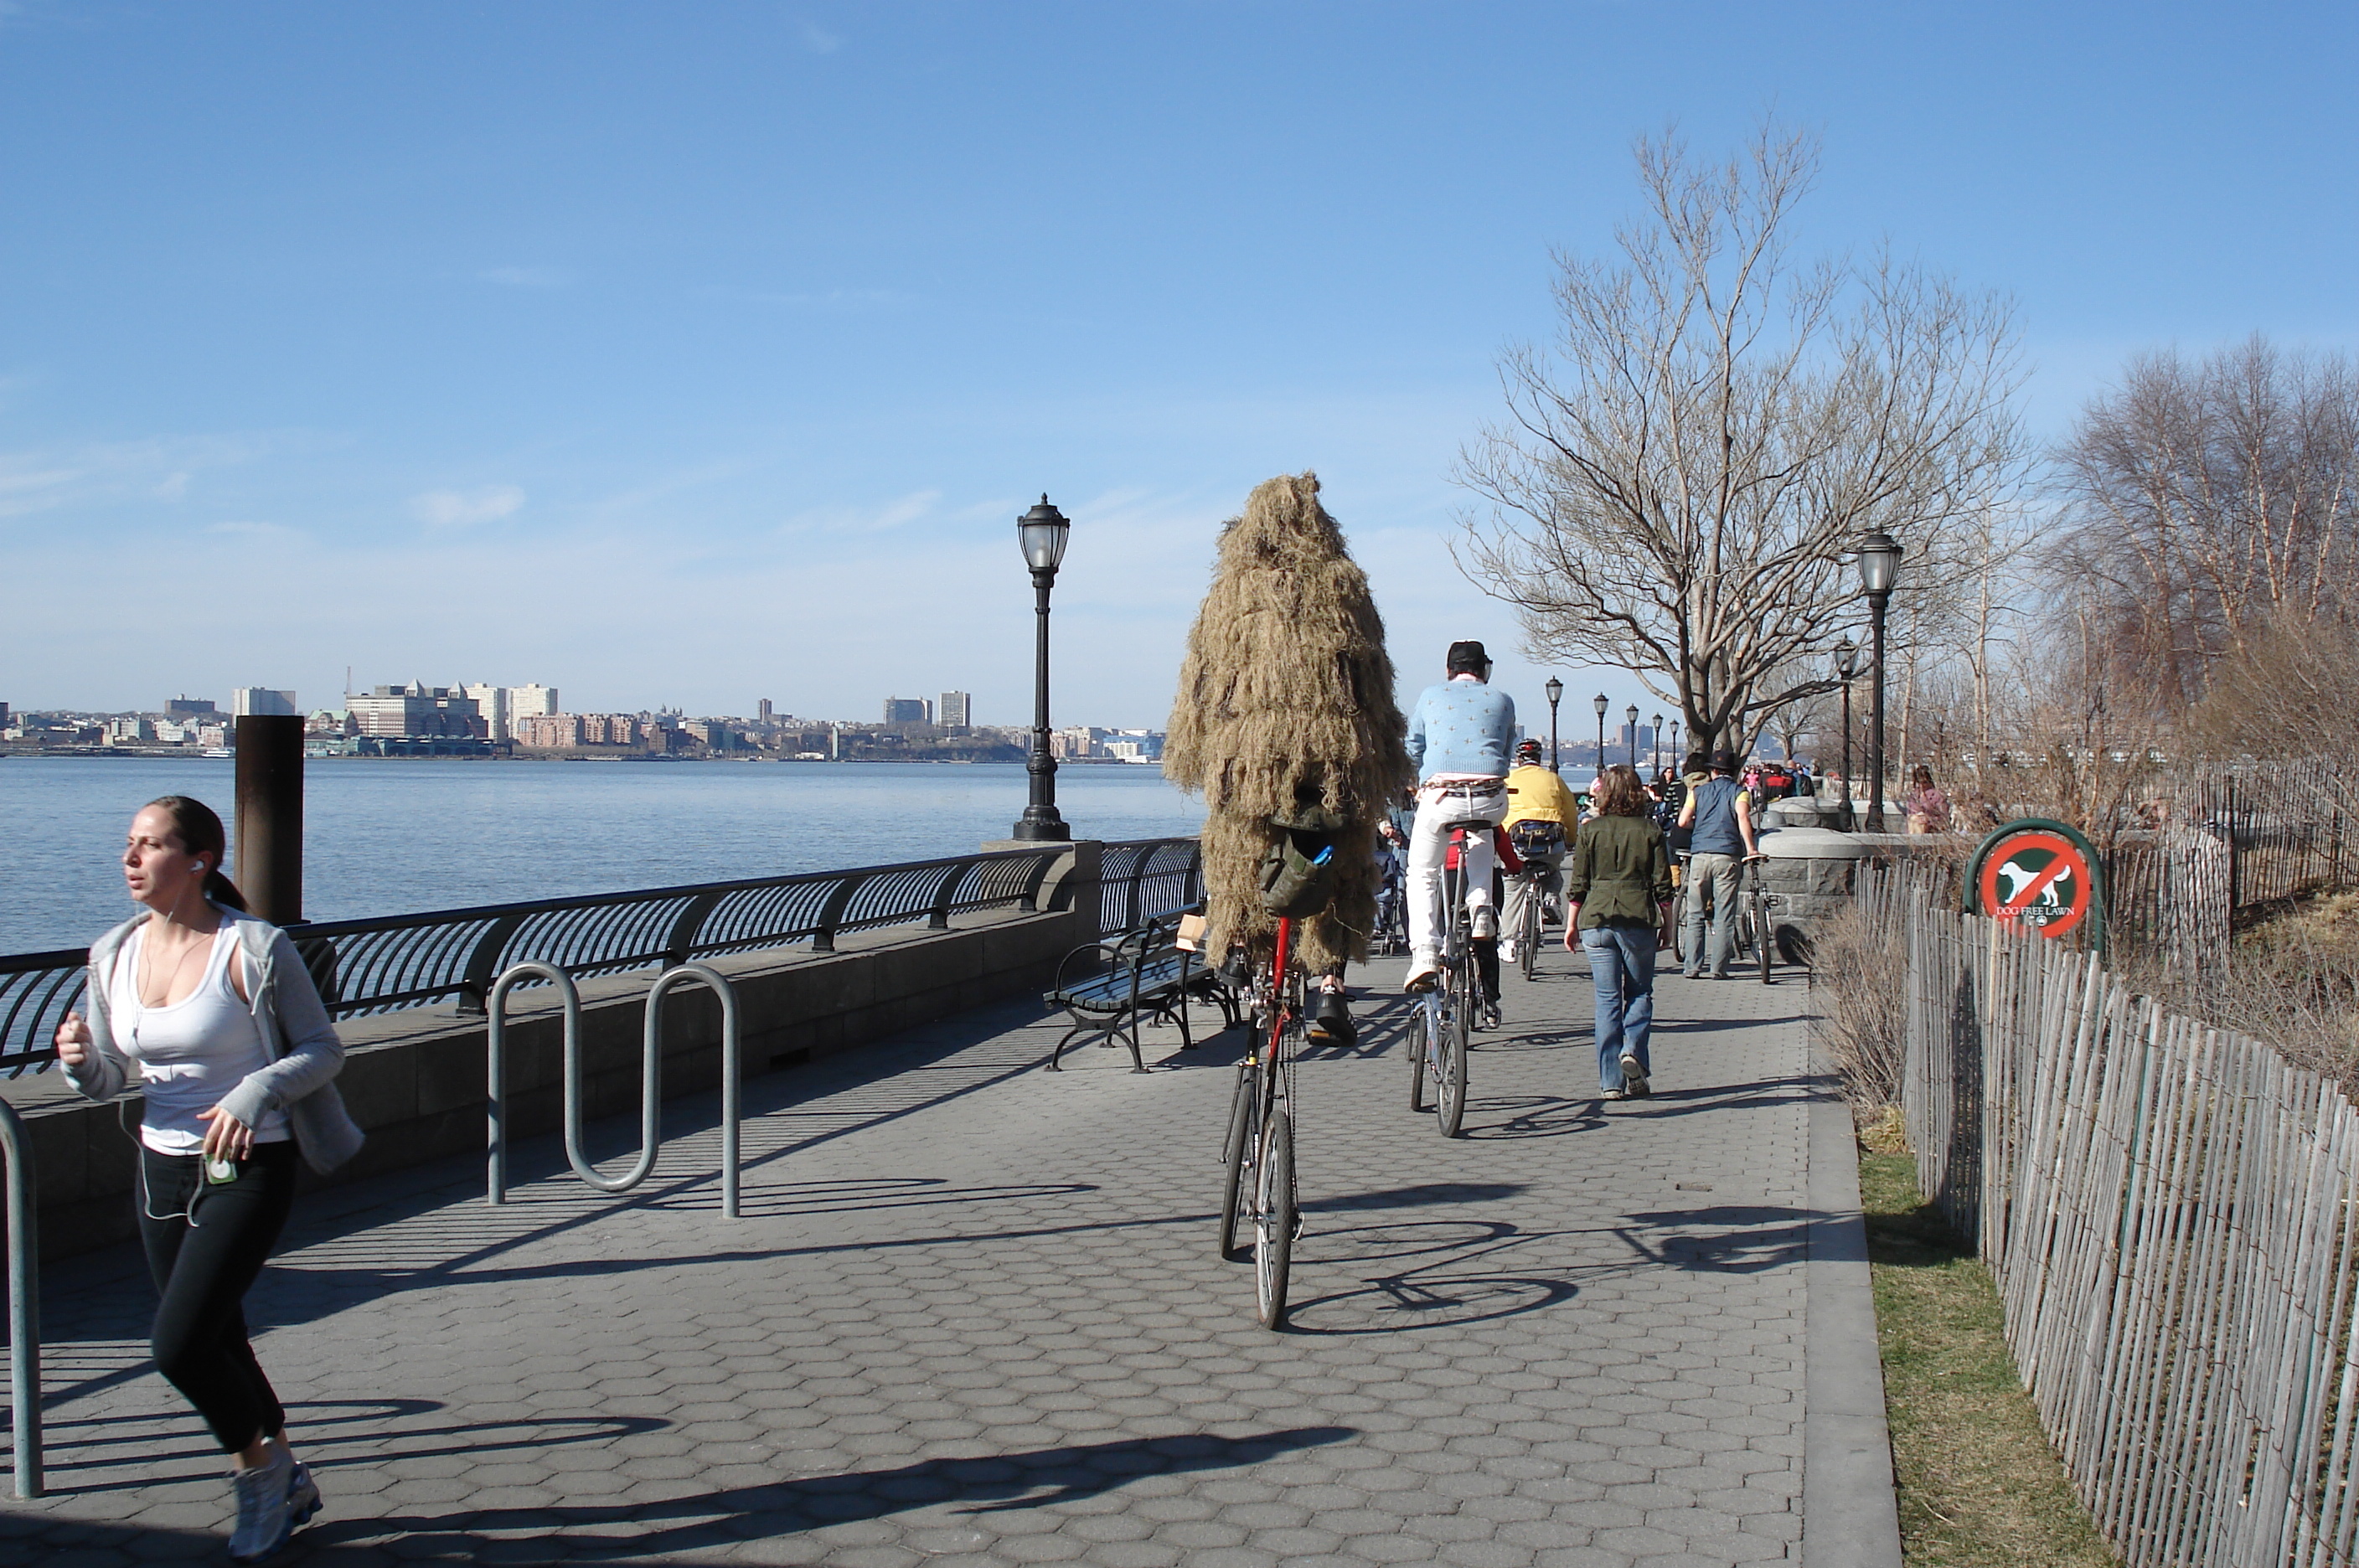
[416, 1080]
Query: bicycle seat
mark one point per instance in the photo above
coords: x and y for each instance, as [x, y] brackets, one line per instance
[1471, 824]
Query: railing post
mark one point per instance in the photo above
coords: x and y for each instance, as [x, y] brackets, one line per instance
[496, 1186]
[483, 963]
[688, 926]
[940, 920]
[1139, 865]
[24, 1305]
[830, 914]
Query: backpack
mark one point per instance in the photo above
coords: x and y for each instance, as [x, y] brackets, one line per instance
[1298, 869]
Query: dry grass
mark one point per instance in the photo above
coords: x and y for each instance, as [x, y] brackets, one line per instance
[2290, 979]
[1861, 1018]
[1979, 1485]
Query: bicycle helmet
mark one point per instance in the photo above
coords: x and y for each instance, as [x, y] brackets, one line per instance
[1528, 752]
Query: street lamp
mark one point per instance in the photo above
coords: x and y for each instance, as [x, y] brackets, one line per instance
[1654, 746]
[1555, 689]
[1042, 531]
[1601, 705]
[1879, 564]
[1847, 670]
[1631, 714]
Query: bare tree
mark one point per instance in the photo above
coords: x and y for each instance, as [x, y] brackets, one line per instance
[2209, 498]
[1674, 486]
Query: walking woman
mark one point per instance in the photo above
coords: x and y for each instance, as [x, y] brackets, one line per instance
[235, 1054]
[1618, 882]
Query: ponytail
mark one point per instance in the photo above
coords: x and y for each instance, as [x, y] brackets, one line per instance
[200, 830]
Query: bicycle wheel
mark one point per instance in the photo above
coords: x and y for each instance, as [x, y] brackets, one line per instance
[1274, 1215]
[1420, 1049]
[1765, 938]
[1527, 932]
[1450, 1095]
[1242, 1120]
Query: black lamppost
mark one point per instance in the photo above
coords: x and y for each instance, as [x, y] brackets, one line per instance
[1847, 670]
[1042, 531]
[1555, 688]
[1879, 564]
[1601, 705]
[1654, 746]
[1631, 714]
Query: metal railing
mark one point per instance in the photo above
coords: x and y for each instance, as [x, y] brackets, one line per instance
[386, 963]
[732, 1077]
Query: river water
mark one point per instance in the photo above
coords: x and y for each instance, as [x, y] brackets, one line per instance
[385, 836]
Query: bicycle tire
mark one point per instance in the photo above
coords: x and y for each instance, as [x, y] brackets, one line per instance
[1763, 933]
[1450, 1094]
[1240, 1129]
[1420, 1033]
[1527, 933]
[1273, 1220]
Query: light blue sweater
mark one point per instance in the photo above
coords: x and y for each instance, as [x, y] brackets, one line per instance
[1461, 726]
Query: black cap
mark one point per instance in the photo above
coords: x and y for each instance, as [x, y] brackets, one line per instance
[1469, 657]
[1724, 761]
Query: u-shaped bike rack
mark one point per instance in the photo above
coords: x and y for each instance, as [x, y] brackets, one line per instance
[650, 1083]
[24, 1305]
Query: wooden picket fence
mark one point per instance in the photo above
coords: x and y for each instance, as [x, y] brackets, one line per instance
[2220, 840]
[2171, 1216]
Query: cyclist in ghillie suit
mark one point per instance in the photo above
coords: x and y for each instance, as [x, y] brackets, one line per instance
[1285, 721]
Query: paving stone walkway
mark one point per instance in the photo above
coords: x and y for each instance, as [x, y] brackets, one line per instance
[974, 1316]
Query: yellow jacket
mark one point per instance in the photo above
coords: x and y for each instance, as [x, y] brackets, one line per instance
[1535, 794]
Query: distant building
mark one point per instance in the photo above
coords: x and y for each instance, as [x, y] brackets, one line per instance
[535, 701]
[491, 707]
[548, 732]
[1134, 746]
[188, 707]
[129, 732]
[1076, 741]
[417, 710]
[262, 701]
[763, 710]
[907, 711]
[957, 712]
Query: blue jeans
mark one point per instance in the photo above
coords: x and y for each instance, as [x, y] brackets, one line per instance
[1622, 962]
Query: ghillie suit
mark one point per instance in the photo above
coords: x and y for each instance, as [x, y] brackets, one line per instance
[1285, 709]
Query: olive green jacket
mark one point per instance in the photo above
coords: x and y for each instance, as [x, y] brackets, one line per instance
[1619, 872]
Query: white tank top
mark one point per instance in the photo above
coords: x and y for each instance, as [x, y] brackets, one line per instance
[193, 1052]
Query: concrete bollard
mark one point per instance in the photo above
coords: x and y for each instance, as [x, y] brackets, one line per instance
[270, 815]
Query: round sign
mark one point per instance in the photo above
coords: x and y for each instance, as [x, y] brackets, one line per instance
[2040, 872]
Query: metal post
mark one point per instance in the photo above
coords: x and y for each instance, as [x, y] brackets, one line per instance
[1601, 743]
[24, 1305]
[1875, 723]
[270, 815]
[1552, 761]
[495, 1189]
[1851, 818]
[1040, 819]
[732, 1081]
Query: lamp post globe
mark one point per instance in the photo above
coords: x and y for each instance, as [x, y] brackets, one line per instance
[1555, 689]
[1042, 533]
[1878, 557]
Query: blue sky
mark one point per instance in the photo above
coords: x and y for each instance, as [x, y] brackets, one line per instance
[692, 354]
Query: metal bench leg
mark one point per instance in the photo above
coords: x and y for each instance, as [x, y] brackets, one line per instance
[1064, 1040]
[1137, 1063]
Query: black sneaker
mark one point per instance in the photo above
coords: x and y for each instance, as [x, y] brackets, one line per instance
[1235, 971]
[1330, 1021]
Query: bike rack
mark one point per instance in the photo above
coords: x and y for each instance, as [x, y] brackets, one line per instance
[651, 1080]
[24, 1305]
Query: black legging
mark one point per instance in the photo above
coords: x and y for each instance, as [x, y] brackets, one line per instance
[202, 1267]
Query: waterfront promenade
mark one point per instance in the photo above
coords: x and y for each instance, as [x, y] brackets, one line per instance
[972, 1316]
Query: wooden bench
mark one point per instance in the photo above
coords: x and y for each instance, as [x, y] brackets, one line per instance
[1113, 987]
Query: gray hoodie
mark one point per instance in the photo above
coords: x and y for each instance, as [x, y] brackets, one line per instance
[305, 1055]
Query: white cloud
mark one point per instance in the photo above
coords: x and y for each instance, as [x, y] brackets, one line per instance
[912, 507]
[160, 469]
[526, 276]
[463, 508]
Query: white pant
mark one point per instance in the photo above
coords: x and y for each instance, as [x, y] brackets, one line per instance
[1429, 847]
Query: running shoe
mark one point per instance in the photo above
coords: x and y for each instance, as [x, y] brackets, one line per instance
[1424, 970]
[1488, 1018]
[1633, 1077]
[273, 1501]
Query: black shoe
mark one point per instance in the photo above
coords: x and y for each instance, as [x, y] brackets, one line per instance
[1235, 972]
[1330, 1021]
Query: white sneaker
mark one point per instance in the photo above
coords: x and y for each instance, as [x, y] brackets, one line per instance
[1424, 969]
[272, 1499]
[1487, 922]
[1633, 1077]
[1507, 951]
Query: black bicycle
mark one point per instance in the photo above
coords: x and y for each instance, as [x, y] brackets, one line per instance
[1442, 1027]
[1258, 1155]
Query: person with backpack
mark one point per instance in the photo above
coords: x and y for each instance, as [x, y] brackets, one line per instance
[1543, 816]
[1719, 825]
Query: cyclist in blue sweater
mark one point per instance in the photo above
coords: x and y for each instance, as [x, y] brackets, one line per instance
[1459, 739]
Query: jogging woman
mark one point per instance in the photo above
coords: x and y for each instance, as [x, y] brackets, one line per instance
[235, 1054]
